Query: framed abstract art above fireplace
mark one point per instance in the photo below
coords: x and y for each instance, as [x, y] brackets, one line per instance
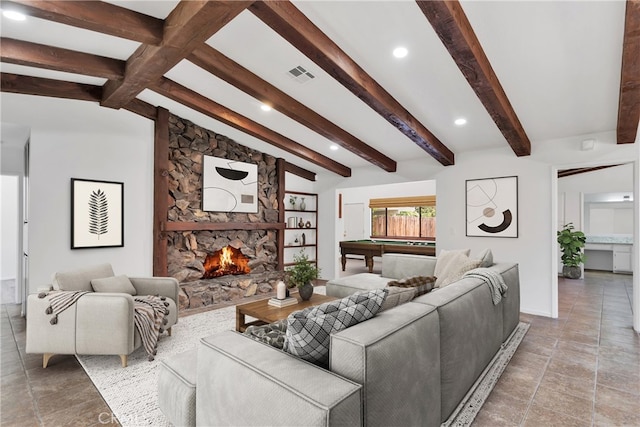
[97, 214]
[229, 185]
[492, 207]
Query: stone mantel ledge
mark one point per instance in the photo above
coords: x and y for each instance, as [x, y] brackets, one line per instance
[617, 239]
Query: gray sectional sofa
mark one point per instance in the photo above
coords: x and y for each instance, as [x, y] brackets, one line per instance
[409, 365]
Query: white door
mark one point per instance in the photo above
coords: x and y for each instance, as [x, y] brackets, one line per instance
[353, 221]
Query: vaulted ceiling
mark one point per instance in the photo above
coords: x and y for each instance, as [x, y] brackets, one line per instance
[519, 71]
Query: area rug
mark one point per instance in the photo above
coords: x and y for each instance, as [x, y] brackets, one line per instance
[131, 392]
[467, 410]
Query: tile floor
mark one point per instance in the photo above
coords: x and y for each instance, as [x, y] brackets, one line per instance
[582, 369]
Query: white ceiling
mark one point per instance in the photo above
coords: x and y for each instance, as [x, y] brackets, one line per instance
[558, 61]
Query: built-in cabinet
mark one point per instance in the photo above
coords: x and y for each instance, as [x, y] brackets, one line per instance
[301, 225]
[622, 259]
[609, 257]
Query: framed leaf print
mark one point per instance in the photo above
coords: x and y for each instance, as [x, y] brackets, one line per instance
[97, 214]
[492, 207]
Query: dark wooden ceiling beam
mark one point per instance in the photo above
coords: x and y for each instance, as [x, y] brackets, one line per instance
[301, 172]
[55, 58]
[142, 108]
[189, 25]
[629, 101]
[576, 171]
[233, 73]
[454, 30]
[27, 85]
[96, 16]
[191, 99]
[284, 18]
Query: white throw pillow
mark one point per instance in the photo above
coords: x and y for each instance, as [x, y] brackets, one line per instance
[444, 260]
[457, 269]
[116, 284]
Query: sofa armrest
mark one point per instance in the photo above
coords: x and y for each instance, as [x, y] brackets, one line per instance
[42, 336]
[104, 324]
[163, 286]
[234, 369]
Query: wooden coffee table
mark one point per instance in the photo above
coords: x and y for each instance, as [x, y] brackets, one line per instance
[265, 313]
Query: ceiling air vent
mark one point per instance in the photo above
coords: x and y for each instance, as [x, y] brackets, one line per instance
[300, 75]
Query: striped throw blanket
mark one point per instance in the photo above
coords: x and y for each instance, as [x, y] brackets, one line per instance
[149, 315]
[496, 283]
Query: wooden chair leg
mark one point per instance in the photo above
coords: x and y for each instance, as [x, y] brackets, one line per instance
[45, 359]
[123, 359]
[169, 331]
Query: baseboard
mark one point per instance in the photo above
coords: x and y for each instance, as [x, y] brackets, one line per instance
[536, 313]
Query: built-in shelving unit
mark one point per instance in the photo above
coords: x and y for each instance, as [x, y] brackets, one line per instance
[301, 225]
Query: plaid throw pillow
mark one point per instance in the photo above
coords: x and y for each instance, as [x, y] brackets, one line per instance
[422, 284]
[308, 330]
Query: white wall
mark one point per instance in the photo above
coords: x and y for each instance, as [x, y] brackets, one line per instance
[535, 249]
[76, 139]
[9, 209]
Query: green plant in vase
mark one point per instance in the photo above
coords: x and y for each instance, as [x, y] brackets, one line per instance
[571, 244]
[292, 201]
[301, 274]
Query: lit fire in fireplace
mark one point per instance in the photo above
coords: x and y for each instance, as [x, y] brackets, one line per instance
[227, 260]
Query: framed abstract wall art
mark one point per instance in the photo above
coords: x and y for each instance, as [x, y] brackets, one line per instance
[97, 214]
[492, 207]
[229, 185]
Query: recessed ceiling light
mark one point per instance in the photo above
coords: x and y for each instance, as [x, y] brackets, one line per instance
[265, 107]
[334, 147]
[12, 14]
[400, 52]
[460, 122]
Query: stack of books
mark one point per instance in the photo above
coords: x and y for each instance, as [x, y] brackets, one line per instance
[282, 302]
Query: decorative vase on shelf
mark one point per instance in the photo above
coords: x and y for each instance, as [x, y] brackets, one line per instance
[292, 201]
[305, 291]
[301, 223]
[303, 206]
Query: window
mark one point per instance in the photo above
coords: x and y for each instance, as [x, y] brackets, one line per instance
[404, 217]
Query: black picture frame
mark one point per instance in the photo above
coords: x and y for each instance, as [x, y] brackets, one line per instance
[97, 214]
[491, 207]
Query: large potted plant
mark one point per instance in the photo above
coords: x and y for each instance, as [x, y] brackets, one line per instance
[301, 274]
[571, 244]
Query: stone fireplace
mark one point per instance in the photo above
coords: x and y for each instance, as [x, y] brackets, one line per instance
[201, 244]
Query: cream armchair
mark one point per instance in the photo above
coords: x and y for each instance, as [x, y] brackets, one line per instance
[98, 322]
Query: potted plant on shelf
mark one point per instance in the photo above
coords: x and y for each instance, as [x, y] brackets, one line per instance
[301, 274]
[571, 244]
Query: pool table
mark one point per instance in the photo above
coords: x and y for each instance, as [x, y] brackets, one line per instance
[371, 248]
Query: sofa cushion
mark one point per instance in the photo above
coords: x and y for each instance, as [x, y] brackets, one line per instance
[398, 266]
[80, 279]
[486, 258]
[116, 284]
[309, 330]
[446, 261]
[272, 334]
[397, 296]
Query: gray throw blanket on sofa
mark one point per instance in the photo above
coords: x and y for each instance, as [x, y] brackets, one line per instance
[149, 314]
[496, 283]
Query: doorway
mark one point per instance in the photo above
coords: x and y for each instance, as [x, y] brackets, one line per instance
[635, 236]
[353, 221]
[9, 252]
